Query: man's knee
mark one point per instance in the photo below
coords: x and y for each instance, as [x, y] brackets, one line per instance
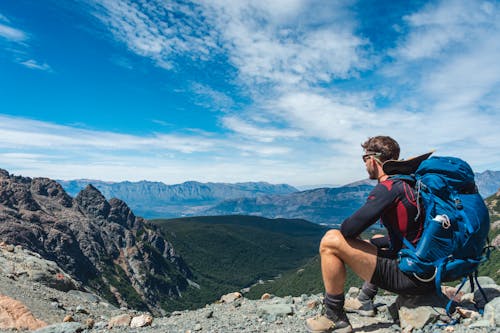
[332, 242]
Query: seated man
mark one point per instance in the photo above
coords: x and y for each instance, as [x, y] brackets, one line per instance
[394, 203]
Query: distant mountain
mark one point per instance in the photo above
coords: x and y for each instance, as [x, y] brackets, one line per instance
[324, 205]
[99, 243]
[156, 199]
[321, 205]
[312, 187]
[488, 182]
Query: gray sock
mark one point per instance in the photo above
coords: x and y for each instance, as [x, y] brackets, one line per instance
[334, 302]
[368, 292]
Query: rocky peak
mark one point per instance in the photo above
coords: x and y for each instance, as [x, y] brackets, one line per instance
[93, 203]
[15, 192]
[49, 188]
[120, 213]
[4, 173]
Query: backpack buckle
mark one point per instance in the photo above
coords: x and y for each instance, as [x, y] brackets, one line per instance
[444, 220]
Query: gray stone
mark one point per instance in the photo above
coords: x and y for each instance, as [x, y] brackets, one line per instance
[492, 312]
[417, 317]
[480, 324]
[276, 310]
[483, 281]
[73, 327]
[417, 311]
[352, 293]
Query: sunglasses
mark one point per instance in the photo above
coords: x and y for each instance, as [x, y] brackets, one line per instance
[368, 155]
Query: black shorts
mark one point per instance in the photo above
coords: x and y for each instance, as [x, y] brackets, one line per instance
[388, 276]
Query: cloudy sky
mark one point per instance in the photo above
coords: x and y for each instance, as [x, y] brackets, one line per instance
[282, 91]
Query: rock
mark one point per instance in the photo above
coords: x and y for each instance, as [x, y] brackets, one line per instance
[483, 281]
[492, 312]
[120, 321]
[275, 310]
[417, 311]
[496, 242]
[81, 309]
[352, 293]
[141, 321]
[197, 327]
[92, 202]
[231, 297]
[68, 319]
[89, 323]
[481, 324]
[62, 328]
[451, 292]
[15, 315]
[466, 313]
[313, 304]
[265, 296]
[495, 225]
[9, 248]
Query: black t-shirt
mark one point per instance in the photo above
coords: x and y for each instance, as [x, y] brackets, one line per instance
[394, 202]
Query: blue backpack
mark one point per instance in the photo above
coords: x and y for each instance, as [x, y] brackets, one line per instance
[456, 226]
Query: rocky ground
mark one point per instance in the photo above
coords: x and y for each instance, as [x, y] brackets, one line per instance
[38, 284]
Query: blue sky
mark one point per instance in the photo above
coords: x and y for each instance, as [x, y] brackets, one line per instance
[230, 91]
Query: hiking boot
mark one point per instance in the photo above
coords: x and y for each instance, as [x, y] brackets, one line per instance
[329, 322]
[363, 308]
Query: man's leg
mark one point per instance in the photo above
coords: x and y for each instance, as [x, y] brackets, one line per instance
[336, 252]
[363, 304]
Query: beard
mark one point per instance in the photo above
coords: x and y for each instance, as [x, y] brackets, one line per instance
[372, 174]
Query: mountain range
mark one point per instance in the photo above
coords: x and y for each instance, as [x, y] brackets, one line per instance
[320, 205]
[156, 199]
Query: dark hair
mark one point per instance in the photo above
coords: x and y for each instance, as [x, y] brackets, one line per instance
[385, 145]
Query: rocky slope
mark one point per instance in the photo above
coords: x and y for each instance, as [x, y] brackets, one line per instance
[156, 199]
[76, 311]
[101, 244]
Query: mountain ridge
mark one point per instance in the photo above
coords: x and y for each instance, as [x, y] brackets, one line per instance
[156, 199]
[192, 198]
[100, 243]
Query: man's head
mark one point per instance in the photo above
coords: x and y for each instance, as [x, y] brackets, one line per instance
[377, 150]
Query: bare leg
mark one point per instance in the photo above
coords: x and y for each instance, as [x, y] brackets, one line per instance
[336, 252]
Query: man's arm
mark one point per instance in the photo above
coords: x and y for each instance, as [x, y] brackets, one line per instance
[379, 199]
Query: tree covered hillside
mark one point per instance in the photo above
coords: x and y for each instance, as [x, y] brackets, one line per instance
[228, 253]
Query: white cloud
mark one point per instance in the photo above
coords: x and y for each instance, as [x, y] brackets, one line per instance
[24, 133]
[268, 45]
[257, 131]
[211, 98]
[18, 46]
[33, 64]
[447, 24]
[157, 29]
[260, 36]
[12, 34]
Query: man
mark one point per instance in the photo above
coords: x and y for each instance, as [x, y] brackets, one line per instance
[392, 201]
